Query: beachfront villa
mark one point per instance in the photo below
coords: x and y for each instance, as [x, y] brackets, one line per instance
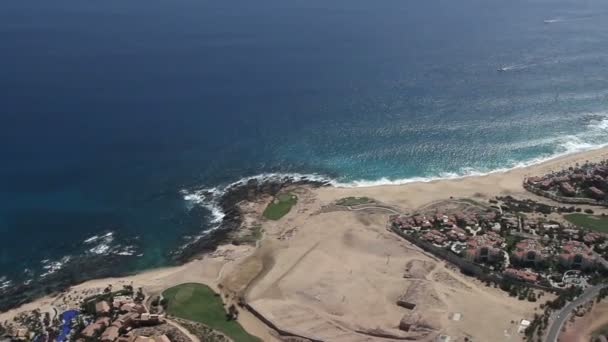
[586, 182]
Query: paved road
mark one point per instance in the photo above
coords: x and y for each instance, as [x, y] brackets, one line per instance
[601, 260]
[561, 316]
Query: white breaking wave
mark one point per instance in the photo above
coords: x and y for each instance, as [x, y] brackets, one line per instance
[100, 249]
[595, 137]
[569, 144]
[94, 238]
[51, 267]
[126, 251]
[5, 284]
[103, 243]
[91, 239]
[104, 246]
[209, 198]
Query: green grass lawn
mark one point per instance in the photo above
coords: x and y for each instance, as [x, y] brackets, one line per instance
[280, 206]
[197, 302]
[349, 201]
[598, 223]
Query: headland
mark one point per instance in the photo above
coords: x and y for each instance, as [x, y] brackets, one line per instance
[332, 268]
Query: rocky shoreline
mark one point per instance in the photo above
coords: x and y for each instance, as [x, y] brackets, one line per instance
[87, 267]
[250, 191]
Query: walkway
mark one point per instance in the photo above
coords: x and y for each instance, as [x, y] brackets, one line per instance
[183, 330]
[373, 207]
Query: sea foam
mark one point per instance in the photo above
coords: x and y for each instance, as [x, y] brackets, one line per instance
[595, 137]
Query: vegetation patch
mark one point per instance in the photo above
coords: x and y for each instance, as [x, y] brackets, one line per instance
[198, 303]
[253, 234]
[280, 206]
[603, 331]
[598, 223]
[350, 201]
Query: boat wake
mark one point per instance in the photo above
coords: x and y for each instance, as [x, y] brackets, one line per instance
[553, 20]
[562, 20]
[515, 67]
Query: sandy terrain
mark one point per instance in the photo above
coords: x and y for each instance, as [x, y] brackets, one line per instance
[583, 327]
[413, 195]
[337, 274]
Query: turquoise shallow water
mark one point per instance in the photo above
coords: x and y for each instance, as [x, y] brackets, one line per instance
[114, 113]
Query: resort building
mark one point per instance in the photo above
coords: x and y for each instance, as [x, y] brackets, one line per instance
[567, 189]
[102, 308]
[404, 223]
[436, 237]
[593, 237]
[561, 179]
[527, 276]
[596, 193]
[546, 184]
[457, 234]
[530, 252]
[120, 300]
[110, 334]
[575, 254]
[485, 248]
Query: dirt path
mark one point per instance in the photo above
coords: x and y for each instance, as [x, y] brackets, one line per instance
[183, 330]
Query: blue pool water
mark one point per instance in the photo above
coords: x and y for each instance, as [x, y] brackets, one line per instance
[112, 110]
[66, 326]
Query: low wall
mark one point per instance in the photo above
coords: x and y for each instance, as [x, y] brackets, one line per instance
[273, 326]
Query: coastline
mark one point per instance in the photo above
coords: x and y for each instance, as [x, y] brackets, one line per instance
[214, 267]
[504, 182]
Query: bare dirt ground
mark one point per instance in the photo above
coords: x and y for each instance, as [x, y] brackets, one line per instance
[338, 276]
[583, 327]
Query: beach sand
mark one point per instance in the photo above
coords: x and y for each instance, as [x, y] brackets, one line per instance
[337, 274]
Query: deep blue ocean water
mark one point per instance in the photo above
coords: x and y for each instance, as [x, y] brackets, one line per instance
[111, 111]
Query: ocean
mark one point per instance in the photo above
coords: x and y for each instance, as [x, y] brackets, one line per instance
[115, 114]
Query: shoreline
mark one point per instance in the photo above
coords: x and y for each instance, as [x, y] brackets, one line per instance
[211, 263]
[506, 182]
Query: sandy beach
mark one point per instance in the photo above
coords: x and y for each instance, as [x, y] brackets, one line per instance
[336, 274]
